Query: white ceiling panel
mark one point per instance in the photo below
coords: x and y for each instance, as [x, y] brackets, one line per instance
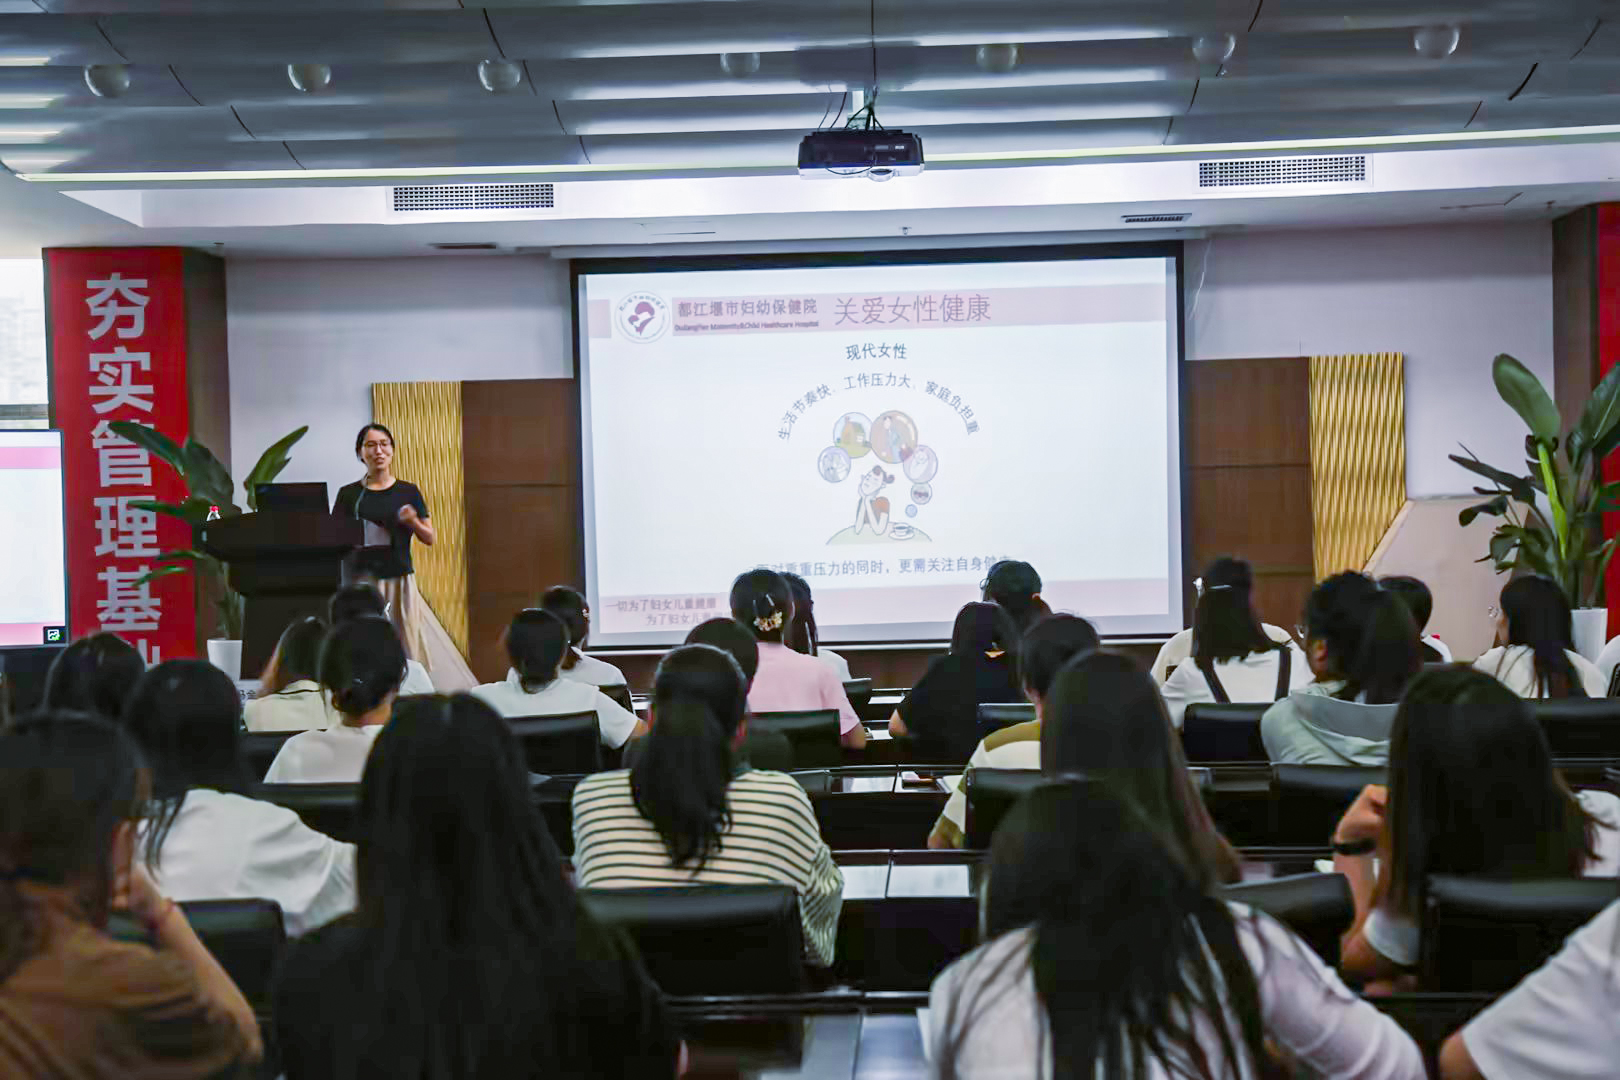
[681, 28]
[1325, 124]
[435, 153]
[518, 117]
[397, 37]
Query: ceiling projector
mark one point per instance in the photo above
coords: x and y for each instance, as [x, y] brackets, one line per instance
[873, 153]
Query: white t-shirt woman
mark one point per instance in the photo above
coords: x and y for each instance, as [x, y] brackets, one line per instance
[334, 756]
[301, 706]
[1251, 678]
[560, 697]
[1179, 647]
[592, 672]
[1514, 666]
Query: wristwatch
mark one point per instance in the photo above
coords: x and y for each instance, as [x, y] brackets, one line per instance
[1355, 847]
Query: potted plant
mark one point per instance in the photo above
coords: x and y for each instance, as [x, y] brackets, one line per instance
[208, 494]
[1553, 513]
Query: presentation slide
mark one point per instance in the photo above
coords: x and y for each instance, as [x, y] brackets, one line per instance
[886, 431]
[33, 566]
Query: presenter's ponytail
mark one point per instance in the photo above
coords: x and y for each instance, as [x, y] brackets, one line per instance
[762, 600]
[685, 764]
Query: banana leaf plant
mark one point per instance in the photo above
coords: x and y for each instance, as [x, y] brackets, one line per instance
[1552, 513]
[208, 487]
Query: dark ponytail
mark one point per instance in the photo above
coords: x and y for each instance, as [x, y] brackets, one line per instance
[1370, 638]
[1539, 618]
[362, 662]
[684, 765]
[762, 600]
[804, 637]
[536, 642]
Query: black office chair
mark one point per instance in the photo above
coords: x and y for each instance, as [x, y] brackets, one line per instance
[1229, 732]
[813, 734]
[1581, 727]
[333, 809]
[620, 695]
[22, 678]
[990, 794]
[1484, 935]
[245, 936]
[709, 940]
[767, 750]
[859, 693]
[998, 715]
[260, 748]
[1316, 907]
[1307, 801]
[569, 743]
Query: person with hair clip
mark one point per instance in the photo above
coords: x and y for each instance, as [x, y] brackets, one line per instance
[942, 711]
[1233, 658]
[1048, 646]
[74, 1002]
[395, 514]
[1223, 572]
[1106, 956]
[536, 643]
[1537, 657]
[1016, 587]
[569, 605]
[95, 674]
[1420, 602]
[1362, 647]
[362, 664]
[469, 956]
[787, 681]
[685, 814]
[360, 601]
[208, 838]
[1464, 749]
[803, 636]
[290, 697]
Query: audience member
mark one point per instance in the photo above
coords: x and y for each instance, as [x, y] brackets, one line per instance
[570, 606]
[1105, 955]
[536, 643]
[208, 840]
[803, 636]
[290, 697]
[759, 749]
[1233, 657]
[942, 711]
[1363, 650]
[362, 665]
[95, 674]
[1419, 602]
[683, 814]
[1537, 657]
[787, 681]
[1225, 571]
[1044, 650]
[359, 601]
[73, 1002]
[1017, 588]
[469, 955]
[1464, 748]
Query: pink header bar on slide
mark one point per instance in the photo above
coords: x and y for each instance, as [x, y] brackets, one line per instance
[30, 457]
[22, 633]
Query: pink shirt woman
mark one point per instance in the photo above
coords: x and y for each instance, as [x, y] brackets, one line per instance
[787, 681]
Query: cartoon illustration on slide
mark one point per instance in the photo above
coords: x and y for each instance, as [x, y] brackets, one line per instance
[892, 439]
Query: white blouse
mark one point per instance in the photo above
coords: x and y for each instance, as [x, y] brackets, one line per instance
[1253, 678]
[592, 672]
[839, 665]
[1179, 647]
[229, 847]
[334, 756]
[559, 698]
[1514, 666]
[302, 706]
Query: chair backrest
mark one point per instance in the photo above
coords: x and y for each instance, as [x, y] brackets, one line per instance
[1216, 732]
[620, 695]
[569, 743]
[333, 809]
[997, 715]
[990, 794]
[1316, 907]
[1581, 727]
[245, 936]
[708, 940]
[1485, 935]
[813, 733]
[1308, 800]
[859, 693]
[260, 748]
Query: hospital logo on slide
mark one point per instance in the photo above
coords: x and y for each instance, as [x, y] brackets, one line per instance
[642, 317]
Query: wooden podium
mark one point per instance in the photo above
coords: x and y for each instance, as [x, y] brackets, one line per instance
[286, 564]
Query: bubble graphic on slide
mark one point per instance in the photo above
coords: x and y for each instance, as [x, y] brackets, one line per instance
[894, 437]
[922, 494]
[850, 434]
[922, 465]
[911, 511]
[833, 465]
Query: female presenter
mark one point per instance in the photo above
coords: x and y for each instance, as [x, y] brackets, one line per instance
[394, 511]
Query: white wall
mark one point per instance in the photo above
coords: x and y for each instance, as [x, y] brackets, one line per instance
[309, 337]
[1449, 297]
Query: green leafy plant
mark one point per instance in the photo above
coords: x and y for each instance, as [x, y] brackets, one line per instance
[208, 485]
[1553, 514]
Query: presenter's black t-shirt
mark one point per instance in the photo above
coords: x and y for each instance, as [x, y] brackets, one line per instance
[382, 507]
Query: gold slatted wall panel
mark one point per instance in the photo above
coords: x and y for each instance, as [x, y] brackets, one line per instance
[425, 418]
[1358, 455]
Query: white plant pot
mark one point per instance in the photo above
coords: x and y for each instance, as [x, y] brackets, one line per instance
[1591, 631]
[226, 654]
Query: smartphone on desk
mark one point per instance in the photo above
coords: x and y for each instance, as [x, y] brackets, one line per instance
[909, 779]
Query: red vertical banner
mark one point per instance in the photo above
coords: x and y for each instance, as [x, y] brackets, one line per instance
[118, 352]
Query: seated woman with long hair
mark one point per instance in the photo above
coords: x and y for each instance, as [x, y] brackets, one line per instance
[1106, 956]
[1472, 790]
[362, 666]
[569, 605]
[95, 674]
[804, 636]
[208, 838]
[290, 697]
[942, 711]
[1537, 657]
[1224, 572]
[684, 814]
[469, 957]
[787, 681]
[74, 1002]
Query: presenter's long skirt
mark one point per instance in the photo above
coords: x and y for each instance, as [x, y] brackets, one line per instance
[405, 602]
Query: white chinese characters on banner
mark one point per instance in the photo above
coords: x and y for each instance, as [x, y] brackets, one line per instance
[105, 304]
[119, 462]
[126, 532]
[116, 384]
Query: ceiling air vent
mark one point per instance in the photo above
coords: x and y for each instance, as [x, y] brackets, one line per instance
[1153, 219]
[475, 197]
[1340, 169]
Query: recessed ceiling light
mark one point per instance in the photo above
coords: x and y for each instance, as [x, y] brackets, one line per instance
[28, 101]
[25, 61]
[28, 135]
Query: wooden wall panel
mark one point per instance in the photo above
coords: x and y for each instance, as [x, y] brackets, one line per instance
[1575, 311]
